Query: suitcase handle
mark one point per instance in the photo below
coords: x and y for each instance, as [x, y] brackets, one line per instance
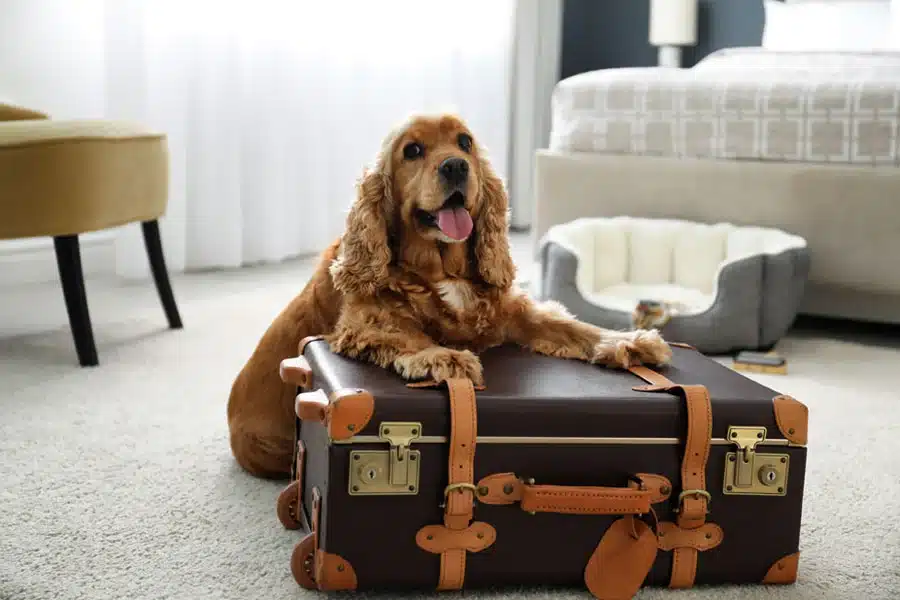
[635, 499]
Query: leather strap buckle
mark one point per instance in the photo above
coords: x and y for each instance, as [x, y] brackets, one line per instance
[695, 493]
[703, 493]
[458, 486]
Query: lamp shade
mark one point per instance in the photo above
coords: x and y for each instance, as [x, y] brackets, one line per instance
[673, 22]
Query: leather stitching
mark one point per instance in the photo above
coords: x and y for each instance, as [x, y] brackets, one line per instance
[684, 568]
[693, 476]
[588, 495]
[676, 565]
[577, 510]
[459, 505]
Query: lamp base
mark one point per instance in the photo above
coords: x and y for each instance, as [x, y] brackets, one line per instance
[670, 56]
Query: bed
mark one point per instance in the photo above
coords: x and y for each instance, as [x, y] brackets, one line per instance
[801, 140]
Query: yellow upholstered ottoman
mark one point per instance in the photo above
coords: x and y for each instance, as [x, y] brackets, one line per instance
[65, 178]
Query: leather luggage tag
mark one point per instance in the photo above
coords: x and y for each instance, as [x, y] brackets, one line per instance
[620, 564]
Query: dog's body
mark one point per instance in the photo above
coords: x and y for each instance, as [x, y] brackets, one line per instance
[420, 282]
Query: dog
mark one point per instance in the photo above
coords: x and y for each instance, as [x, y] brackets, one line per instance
[420, 282]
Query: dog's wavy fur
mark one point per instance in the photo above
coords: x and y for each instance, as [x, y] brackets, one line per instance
[398, 293]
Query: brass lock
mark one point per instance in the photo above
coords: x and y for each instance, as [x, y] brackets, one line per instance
[768, 475]
[393, 472]
[752, 473]
[369, 472]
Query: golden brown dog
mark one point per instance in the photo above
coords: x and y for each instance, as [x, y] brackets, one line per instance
[420, 282]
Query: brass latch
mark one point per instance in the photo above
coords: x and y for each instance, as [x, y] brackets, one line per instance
[748, 472]
[387, 472]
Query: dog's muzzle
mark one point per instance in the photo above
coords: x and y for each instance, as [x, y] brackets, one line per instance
[452, 218]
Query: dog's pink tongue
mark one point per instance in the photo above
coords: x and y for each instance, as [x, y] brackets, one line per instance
[455, 222]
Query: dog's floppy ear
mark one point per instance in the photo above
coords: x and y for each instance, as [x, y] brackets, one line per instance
[361, 266]
[495, 265]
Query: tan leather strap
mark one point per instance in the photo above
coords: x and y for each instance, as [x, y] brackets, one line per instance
[651, 377]
[459, 499]
[693, 498]
[507, 488]
[427, 383]
[684, 568]
[458, 535]
[704, 538]
[585, 500]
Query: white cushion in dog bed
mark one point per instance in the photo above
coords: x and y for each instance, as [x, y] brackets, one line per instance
[619, 261]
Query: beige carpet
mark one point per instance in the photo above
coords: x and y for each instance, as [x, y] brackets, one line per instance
[117, 482]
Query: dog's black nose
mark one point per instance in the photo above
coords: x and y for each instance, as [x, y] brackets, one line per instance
[454, 170]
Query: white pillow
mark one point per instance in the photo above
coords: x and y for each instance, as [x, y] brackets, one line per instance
[827, 25]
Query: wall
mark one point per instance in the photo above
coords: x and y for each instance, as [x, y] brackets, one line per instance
[536, 70]
[62, 40]
[606, 34]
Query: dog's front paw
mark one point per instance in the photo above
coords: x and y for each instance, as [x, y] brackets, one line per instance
[651, 348]
[441, 364]
[638, 347]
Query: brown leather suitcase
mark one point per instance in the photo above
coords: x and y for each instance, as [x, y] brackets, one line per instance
[556, 473]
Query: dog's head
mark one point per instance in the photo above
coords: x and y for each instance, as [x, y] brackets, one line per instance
[433, 181]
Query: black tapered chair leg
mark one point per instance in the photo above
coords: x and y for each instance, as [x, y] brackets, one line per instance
[160, 274]
[68, 261]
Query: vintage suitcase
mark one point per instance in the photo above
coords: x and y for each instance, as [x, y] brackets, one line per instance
[556, 473]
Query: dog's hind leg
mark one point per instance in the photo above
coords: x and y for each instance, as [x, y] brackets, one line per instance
[261, 406]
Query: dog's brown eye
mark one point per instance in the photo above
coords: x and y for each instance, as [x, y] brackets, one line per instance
[465, 142]
[413, 150]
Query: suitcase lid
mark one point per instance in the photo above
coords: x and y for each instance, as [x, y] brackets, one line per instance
[536, 398]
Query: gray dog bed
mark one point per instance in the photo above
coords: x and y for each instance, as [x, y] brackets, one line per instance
[723, 287]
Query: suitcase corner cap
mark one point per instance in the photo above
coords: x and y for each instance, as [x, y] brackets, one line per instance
[792, 417]
[350, 410]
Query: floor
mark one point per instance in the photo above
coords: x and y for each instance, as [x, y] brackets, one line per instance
[117, 481]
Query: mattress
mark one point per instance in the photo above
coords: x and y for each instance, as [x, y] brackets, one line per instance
[739, 103]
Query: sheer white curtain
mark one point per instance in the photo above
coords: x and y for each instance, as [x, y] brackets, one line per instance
[273, 108]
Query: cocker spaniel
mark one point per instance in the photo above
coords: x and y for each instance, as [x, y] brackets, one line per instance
[420, 282]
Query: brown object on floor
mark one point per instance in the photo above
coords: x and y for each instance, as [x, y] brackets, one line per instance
[770, 363]
[64, 178]
[581, 476]
[419, 282]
